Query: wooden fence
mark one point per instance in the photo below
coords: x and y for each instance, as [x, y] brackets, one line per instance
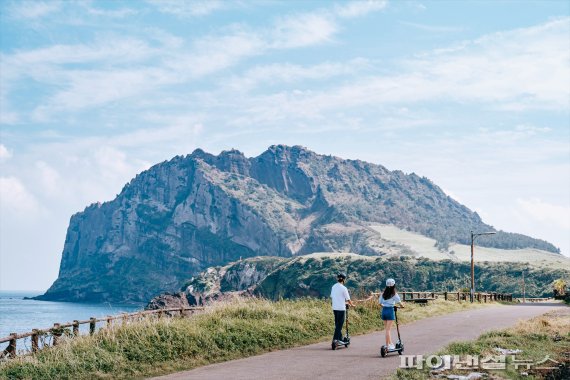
[60, 329]
[456, 296]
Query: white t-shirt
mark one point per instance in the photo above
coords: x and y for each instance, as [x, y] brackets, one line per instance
[339, 295]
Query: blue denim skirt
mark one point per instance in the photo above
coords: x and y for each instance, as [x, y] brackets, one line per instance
[388, 313]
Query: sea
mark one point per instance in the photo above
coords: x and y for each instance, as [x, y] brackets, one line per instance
[19, 315]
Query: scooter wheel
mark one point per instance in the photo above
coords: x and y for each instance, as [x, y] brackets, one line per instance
[400, 352]
[333, 345]
[383, 351]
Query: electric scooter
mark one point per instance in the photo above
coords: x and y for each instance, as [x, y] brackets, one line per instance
[399, 346]
[344, 342]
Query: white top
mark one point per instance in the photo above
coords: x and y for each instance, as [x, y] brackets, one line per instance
[339, 295]
[390, 302]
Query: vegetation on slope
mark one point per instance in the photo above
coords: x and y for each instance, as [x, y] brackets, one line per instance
[225, 331]
[312, 275]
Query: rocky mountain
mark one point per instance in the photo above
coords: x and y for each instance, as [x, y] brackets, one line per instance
[312, 276]
[184, 215]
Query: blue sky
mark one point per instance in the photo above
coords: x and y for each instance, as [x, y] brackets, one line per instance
[473, 95]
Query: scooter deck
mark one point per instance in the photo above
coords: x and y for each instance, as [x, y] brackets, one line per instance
[341, 343]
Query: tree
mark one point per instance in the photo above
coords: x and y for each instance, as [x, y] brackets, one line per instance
[559, 287]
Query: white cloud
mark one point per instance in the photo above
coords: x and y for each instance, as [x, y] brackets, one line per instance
[8, 117]
[87, 89]
[303, 29]
[84, 76]
[511, 136]
[499, 70]
[34, 9]
[214, 53]
[115, 49]
[186, 9]
[16, 199]
[49, 179]
[5, 154]
[116, 13]
[433, 28]
[544, 212]
[112, 163]
[285, 73]
[179, 130]
[354, 8]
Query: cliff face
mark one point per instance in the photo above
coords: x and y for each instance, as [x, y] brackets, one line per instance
[190, 213]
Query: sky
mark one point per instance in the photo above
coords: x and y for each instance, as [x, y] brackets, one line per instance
[474, 95]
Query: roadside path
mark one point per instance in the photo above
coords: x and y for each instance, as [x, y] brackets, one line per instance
[362, 360]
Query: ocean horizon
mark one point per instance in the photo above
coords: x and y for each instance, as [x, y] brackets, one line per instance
[19, 315]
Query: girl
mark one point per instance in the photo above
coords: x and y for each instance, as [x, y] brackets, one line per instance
[389, 299]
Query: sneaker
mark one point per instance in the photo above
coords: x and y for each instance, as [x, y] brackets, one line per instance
[391, 347]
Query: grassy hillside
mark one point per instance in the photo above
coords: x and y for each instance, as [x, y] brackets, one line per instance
[411, 243]
[225, 331]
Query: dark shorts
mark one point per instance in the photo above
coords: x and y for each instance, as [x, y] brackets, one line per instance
[388, 313]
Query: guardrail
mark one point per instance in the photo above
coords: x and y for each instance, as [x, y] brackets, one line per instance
[60, 329]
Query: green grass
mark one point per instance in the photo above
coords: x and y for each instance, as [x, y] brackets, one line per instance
[225, 331]
[538, 337]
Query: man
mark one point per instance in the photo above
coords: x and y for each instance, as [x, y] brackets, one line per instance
[340, 297]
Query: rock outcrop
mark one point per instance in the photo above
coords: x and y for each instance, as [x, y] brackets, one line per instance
[235, 279]
[182, 216]
[169, 301]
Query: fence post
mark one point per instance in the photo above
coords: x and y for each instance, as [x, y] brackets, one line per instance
[160, 314]
[445, 295]
[181, 311]
[11, 349]
[56, 333]
[34, 340]
[75, 328]
[109, 321]
[92, 323]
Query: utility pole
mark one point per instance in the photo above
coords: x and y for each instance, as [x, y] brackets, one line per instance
[473, 236]
[524, 288]
[472, 270]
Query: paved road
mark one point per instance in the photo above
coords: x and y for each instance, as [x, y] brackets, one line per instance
[361, 360]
